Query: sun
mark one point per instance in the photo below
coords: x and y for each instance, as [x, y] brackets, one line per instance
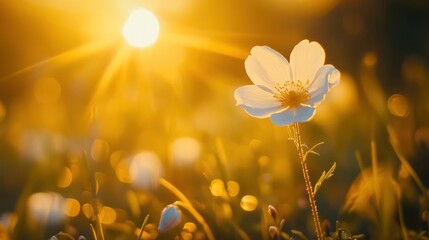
[141, 29]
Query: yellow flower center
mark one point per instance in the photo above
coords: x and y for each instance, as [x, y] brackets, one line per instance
[292, 94]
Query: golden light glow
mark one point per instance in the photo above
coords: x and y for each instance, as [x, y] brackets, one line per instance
[190, 227]
[121, 164]
[88, 210]
[185, 151]
[2, 111]
[225, 211]
[100, 150]
[65, 178]
[122, 171]
[47, 90]
[145, 170]
[141, 29]
[217, 188]
[370, 59]
[233, 188]
[46, 207]
[398, 105]
[107, 215]
[249, 203]
[116, 157]
[72, 207]
[345, 96]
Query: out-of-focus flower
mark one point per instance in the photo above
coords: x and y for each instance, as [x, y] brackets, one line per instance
[170, 218]
[286, 93]
[46, 208]
[146, 169]
[185, 151]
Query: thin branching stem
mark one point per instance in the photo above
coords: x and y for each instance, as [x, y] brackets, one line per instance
[308, 185]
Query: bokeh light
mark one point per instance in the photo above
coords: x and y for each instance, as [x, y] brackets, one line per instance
[100, 150]
[34, 145]
[46, 208]
[146, 169]
[190, 227]
[233, 188]
[185, 151]
[141, 29]
[249, 203]
[398, 105]
[107, 215]
[72, 207]
[120, 162]
[370, 59]
[88, 210]
[65, 178]
[217, 188]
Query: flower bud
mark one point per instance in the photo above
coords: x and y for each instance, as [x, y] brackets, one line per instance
[272, 211]
[326, 226]
[170, 218]
[274, 232]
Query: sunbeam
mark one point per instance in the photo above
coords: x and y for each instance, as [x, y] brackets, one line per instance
[206, 44]
[64, 58]
[111, 70]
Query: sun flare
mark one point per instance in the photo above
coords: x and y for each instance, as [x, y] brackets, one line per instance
[141, 29]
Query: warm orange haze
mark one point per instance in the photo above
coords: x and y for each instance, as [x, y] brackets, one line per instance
[138, 119]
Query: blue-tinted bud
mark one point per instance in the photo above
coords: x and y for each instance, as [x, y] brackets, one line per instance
[170, 218]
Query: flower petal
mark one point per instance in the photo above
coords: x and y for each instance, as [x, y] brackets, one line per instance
[306, 58]
[292, 115]
[256, 101]
[325, 78]
[266, 67]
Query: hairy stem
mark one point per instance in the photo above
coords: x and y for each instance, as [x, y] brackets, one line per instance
[308, 185]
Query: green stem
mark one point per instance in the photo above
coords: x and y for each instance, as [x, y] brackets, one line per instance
[308, 185]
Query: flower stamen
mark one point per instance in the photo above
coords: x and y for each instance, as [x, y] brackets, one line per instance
[292, 94]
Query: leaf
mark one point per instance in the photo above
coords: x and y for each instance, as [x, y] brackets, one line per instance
[319, 183]
[360, 236]
[282, 223]
[284, 235]
[300, 234]
[323, 177]
[331, 171]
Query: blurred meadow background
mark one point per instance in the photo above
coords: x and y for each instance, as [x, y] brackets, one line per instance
[96, 132]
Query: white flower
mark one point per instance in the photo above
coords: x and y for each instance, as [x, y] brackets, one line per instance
[286, 93]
